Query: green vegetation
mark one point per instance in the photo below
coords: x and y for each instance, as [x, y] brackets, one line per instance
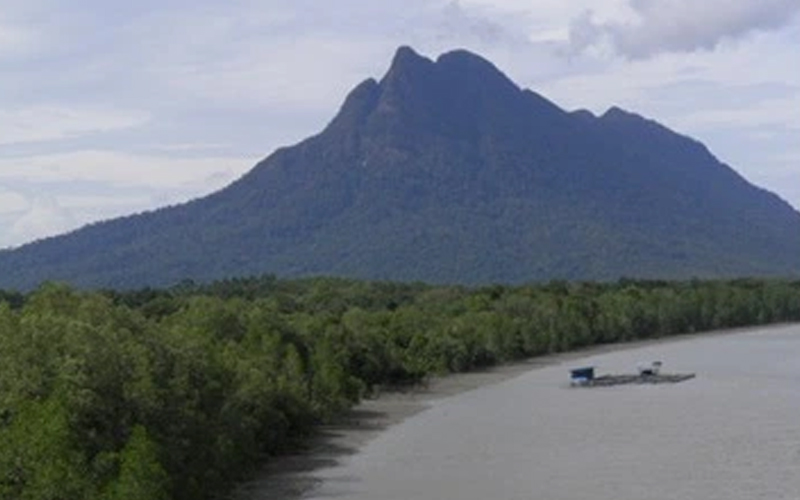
[177, 393]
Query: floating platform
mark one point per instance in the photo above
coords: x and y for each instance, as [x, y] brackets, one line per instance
[647, 378]
[647, 373]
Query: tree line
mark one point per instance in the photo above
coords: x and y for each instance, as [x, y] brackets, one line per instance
[178, 393]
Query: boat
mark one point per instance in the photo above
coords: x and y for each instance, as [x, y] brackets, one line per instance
[646, 373]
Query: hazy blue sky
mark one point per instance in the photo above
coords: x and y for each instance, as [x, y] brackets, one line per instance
[109, 107]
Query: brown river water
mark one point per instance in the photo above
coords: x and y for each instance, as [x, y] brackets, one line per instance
[731, 433]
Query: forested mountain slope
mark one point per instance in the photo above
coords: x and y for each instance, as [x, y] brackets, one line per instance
[446, 171]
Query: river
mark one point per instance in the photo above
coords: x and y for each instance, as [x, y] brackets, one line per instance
[731, 433]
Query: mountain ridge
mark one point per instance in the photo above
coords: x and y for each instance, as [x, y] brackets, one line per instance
[448, 171]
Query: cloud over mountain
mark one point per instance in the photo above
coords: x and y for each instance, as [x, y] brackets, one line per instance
[680, 25]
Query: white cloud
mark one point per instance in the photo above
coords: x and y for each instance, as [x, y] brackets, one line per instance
[16, 41]
[62, 192]
[470, 24]
[681, 25]
[95, 201]
[781, 113]
[44, 217]
[12, 202]
[48, 123]
[289, 74]
[789, 158]
[185, 147]
[121, 170]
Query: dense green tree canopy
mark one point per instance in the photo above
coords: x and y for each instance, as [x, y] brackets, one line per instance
[177, 393]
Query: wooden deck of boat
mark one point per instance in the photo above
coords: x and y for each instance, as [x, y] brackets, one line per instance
[662, 378]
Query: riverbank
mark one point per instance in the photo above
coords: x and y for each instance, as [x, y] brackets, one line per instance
[292, 476]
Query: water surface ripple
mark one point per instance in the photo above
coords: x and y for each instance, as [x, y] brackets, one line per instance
[732, 433]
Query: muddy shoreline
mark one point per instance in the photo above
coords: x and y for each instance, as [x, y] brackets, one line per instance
[291, 477]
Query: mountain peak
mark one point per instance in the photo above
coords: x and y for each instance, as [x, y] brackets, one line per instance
[469, 68]
[464, 57]
[583, 114]
[454, 65]
[406, 58]
[406, 52]
[406, 55]
[445, 171]
[615, 113]
[638, 124]
[458, 90]
[618, 117]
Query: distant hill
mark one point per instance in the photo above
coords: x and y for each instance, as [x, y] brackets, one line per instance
[446, 171]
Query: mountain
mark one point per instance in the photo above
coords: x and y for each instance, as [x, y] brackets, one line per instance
[446, 171]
